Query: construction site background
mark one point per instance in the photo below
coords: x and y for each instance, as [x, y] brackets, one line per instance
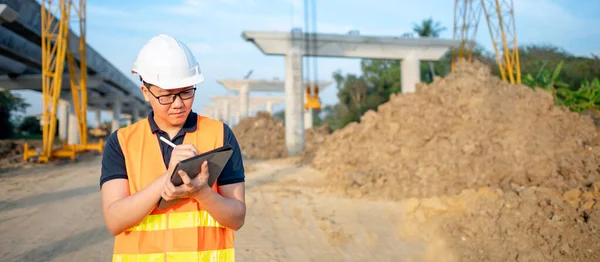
[479, 168]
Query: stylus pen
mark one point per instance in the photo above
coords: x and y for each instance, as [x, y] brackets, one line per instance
[167, 141]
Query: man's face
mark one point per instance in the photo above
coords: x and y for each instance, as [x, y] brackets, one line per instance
[174, 113]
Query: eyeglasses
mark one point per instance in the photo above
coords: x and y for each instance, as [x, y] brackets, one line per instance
[169, 99]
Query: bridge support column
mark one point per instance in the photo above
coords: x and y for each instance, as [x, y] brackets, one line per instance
[116, 115]
[270, 107]
[294, 126]
[308, 118]
[136, 114]
[97, 121]
[73, 126]
[225, 113]
[236, 119]
[63, 119]
[411, 74]
[244, 101]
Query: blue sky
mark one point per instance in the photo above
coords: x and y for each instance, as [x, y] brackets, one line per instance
[212, 29]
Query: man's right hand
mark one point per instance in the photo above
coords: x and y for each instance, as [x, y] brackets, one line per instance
[181, 152]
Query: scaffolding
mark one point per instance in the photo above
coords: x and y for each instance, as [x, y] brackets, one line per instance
[56, 50]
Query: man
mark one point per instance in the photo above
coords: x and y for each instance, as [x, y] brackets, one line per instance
[136, 166]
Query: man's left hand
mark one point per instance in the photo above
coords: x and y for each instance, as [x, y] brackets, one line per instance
[190, 187]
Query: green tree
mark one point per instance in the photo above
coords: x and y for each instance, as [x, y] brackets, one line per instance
[31, 126]
[575, 70]
[280, 115]
[429, 28]
[9, 104]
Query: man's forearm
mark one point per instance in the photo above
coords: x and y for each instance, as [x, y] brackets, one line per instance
[230, 213]
[127, 212]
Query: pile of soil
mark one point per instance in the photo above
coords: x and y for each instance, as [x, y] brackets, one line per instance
[491, 165]
[11, 152]
[530, 224]
[314, 138]
[261, 136]
[465, 131]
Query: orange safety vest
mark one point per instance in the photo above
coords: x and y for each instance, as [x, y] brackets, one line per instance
[183, 232]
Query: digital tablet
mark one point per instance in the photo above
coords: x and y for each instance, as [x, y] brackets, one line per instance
[217, 159]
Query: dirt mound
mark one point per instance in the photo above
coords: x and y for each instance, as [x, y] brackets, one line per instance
[261, 136]
[531, 224]
[465, 131]
[11, 152]
[314, 138]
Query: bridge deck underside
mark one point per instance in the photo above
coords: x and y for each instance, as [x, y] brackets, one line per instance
[21, 63]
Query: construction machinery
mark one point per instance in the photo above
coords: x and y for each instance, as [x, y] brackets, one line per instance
[55, 52]
[310, 41]
[312, 99]
[500, 19]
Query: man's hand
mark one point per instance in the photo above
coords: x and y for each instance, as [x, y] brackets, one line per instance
[190, 187]
[179, 153]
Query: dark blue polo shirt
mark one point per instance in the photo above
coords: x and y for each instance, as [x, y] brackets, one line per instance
[113, 161]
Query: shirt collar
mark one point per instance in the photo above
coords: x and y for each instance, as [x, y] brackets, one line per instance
[189, 126]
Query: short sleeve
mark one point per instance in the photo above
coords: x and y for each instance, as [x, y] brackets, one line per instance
[233, 172]
[113, 161]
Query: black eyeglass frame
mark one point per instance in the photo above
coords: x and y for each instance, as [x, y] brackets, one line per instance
[173, 96]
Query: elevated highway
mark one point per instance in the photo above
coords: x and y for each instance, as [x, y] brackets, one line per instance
[21, 64]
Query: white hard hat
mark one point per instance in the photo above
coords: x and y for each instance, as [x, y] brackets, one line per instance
[167, 63]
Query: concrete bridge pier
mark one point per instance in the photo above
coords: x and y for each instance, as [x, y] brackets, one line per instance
[269, 107]
[73, 126]
[244, 103]
[135, 114]
[116, 112]
[294, 129]
[97, 119]
[411, 73]
[63, 107]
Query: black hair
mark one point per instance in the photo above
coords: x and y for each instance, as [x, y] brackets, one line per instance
[146, 84]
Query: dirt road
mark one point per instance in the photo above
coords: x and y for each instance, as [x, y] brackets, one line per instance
[54, 214]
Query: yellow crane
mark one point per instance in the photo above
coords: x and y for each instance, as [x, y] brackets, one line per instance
[55, 52]
[500, 19]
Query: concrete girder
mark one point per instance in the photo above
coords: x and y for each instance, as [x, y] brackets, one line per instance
[95, 100]
[263, 85]
[12, 67]
[225, 105]
[127, 104]
[357, 46]
[7, 14]
[34, 82]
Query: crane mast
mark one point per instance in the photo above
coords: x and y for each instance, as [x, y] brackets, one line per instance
[500, 19]
[58, 50]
